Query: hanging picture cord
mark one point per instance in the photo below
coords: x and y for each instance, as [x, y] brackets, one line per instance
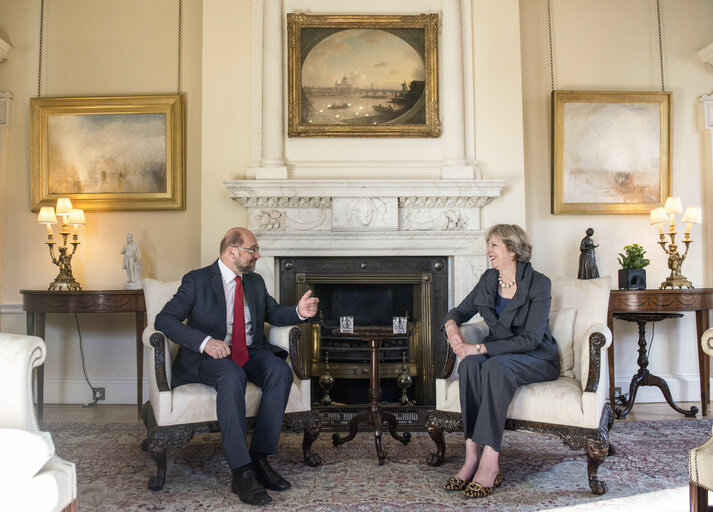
[39, 66]
[180, 41]
[552, 65]
[549, 29]
[658, 15]
[42, 25]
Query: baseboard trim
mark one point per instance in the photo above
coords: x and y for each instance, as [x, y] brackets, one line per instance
[8, 309]
[75, 390]
[684, 388]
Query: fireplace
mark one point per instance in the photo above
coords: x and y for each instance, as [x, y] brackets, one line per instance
[372, 290]
[411, 246]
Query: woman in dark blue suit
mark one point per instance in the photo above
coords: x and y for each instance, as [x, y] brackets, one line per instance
[514, 301]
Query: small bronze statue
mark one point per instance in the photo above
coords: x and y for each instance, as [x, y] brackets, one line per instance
[587, 260]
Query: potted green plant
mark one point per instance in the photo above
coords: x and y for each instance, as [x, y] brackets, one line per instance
[632, 275]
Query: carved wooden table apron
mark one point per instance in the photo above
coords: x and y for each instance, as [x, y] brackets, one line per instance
[699, 300]
[39, 302]
[374, 416]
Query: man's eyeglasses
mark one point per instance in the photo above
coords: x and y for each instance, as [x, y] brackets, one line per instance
[251, 251]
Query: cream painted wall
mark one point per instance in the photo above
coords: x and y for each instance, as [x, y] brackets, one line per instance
[113, 47]
[612, 45]
[227, 64]
[499, 143]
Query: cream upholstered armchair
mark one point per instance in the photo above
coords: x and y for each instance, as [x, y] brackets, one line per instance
[700, 459]
[32, 477]
[172, 416]
[574, 406]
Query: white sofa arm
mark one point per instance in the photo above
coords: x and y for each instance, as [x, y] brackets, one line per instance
[287, 338]
[279, 336]
[601, 341]
[707, 342]
[474, 333]
[19, 354]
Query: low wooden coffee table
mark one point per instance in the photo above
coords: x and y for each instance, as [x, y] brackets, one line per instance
[374, 416]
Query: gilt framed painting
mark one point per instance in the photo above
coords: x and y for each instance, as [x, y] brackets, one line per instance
[363, 76]
[611, 151]
[108, 153]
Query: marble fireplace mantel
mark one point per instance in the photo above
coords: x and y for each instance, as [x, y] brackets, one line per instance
[370, 218]
[364, 205]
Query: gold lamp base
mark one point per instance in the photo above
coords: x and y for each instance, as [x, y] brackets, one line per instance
[676, 282]
[64, 283]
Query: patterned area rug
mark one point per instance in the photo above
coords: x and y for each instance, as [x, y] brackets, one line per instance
[648, 472]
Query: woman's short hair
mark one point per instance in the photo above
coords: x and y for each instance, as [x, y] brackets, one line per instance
[514, 238]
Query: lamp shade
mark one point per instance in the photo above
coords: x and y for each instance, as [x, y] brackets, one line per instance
[673, 205]
[64, 206]
[76, 217]
[693, 215]
[47, 215]
[658, 215]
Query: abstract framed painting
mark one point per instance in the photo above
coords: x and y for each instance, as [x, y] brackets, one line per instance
[108, 153]
[611, 151]
[362, 76]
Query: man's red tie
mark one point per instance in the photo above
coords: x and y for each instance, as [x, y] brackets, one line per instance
[239, 350]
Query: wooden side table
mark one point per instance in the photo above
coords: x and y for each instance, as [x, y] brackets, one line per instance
[375, 416]
[699, 300]
[37, 303]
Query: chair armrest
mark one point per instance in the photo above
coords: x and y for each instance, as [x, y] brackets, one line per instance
[707, 342]
[599, 338]
[473, 333]
[20, 354]
[288, 338]
[158, 341]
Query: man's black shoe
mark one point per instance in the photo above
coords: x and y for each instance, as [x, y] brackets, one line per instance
[268, 477]
[248, 489]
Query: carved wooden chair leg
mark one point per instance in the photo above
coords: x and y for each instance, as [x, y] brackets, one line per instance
[159, 457]
[309, 423]
[435, 430]
[596, 454]
[145, 414]
[610, 424]
[310, 435]
[699, 498]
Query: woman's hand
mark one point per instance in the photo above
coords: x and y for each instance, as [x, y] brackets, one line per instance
[458, 343]
[453, 334]
[466, 349]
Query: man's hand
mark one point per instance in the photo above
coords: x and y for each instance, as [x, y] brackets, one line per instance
[217, 349]
[307, 306]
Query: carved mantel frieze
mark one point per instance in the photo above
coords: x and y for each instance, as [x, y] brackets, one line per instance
[364, 205]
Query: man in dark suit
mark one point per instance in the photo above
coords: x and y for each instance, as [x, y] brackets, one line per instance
[212, 300]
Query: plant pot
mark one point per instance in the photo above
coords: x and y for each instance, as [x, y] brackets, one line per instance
[632, 279]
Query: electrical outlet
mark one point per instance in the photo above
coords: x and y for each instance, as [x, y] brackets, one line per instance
[617, 391]
[99, 394]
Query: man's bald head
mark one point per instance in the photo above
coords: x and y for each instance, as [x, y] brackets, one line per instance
[236, 236]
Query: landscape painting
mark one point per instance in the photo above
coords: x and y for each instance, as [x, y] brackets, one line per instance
[363, 76]
[610, 151]
[108, 153]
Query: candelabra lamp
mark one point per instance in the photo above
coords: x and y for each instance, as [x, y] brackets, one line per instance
[70, 217]
[665, 214]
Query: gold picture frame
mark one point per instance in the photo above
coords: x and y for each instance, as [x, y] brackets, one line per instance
[357, 52]
[111, 153]
[611, 151]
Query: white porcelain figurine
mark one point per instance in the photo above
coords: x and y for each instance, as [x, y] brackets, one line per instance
[132, 264]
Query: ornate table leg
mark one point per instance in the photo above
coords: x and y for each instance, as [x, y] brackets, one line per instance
[644, 377]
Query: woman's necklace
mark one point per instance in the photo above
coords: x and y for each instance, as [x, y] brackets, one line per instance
[504, 284]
